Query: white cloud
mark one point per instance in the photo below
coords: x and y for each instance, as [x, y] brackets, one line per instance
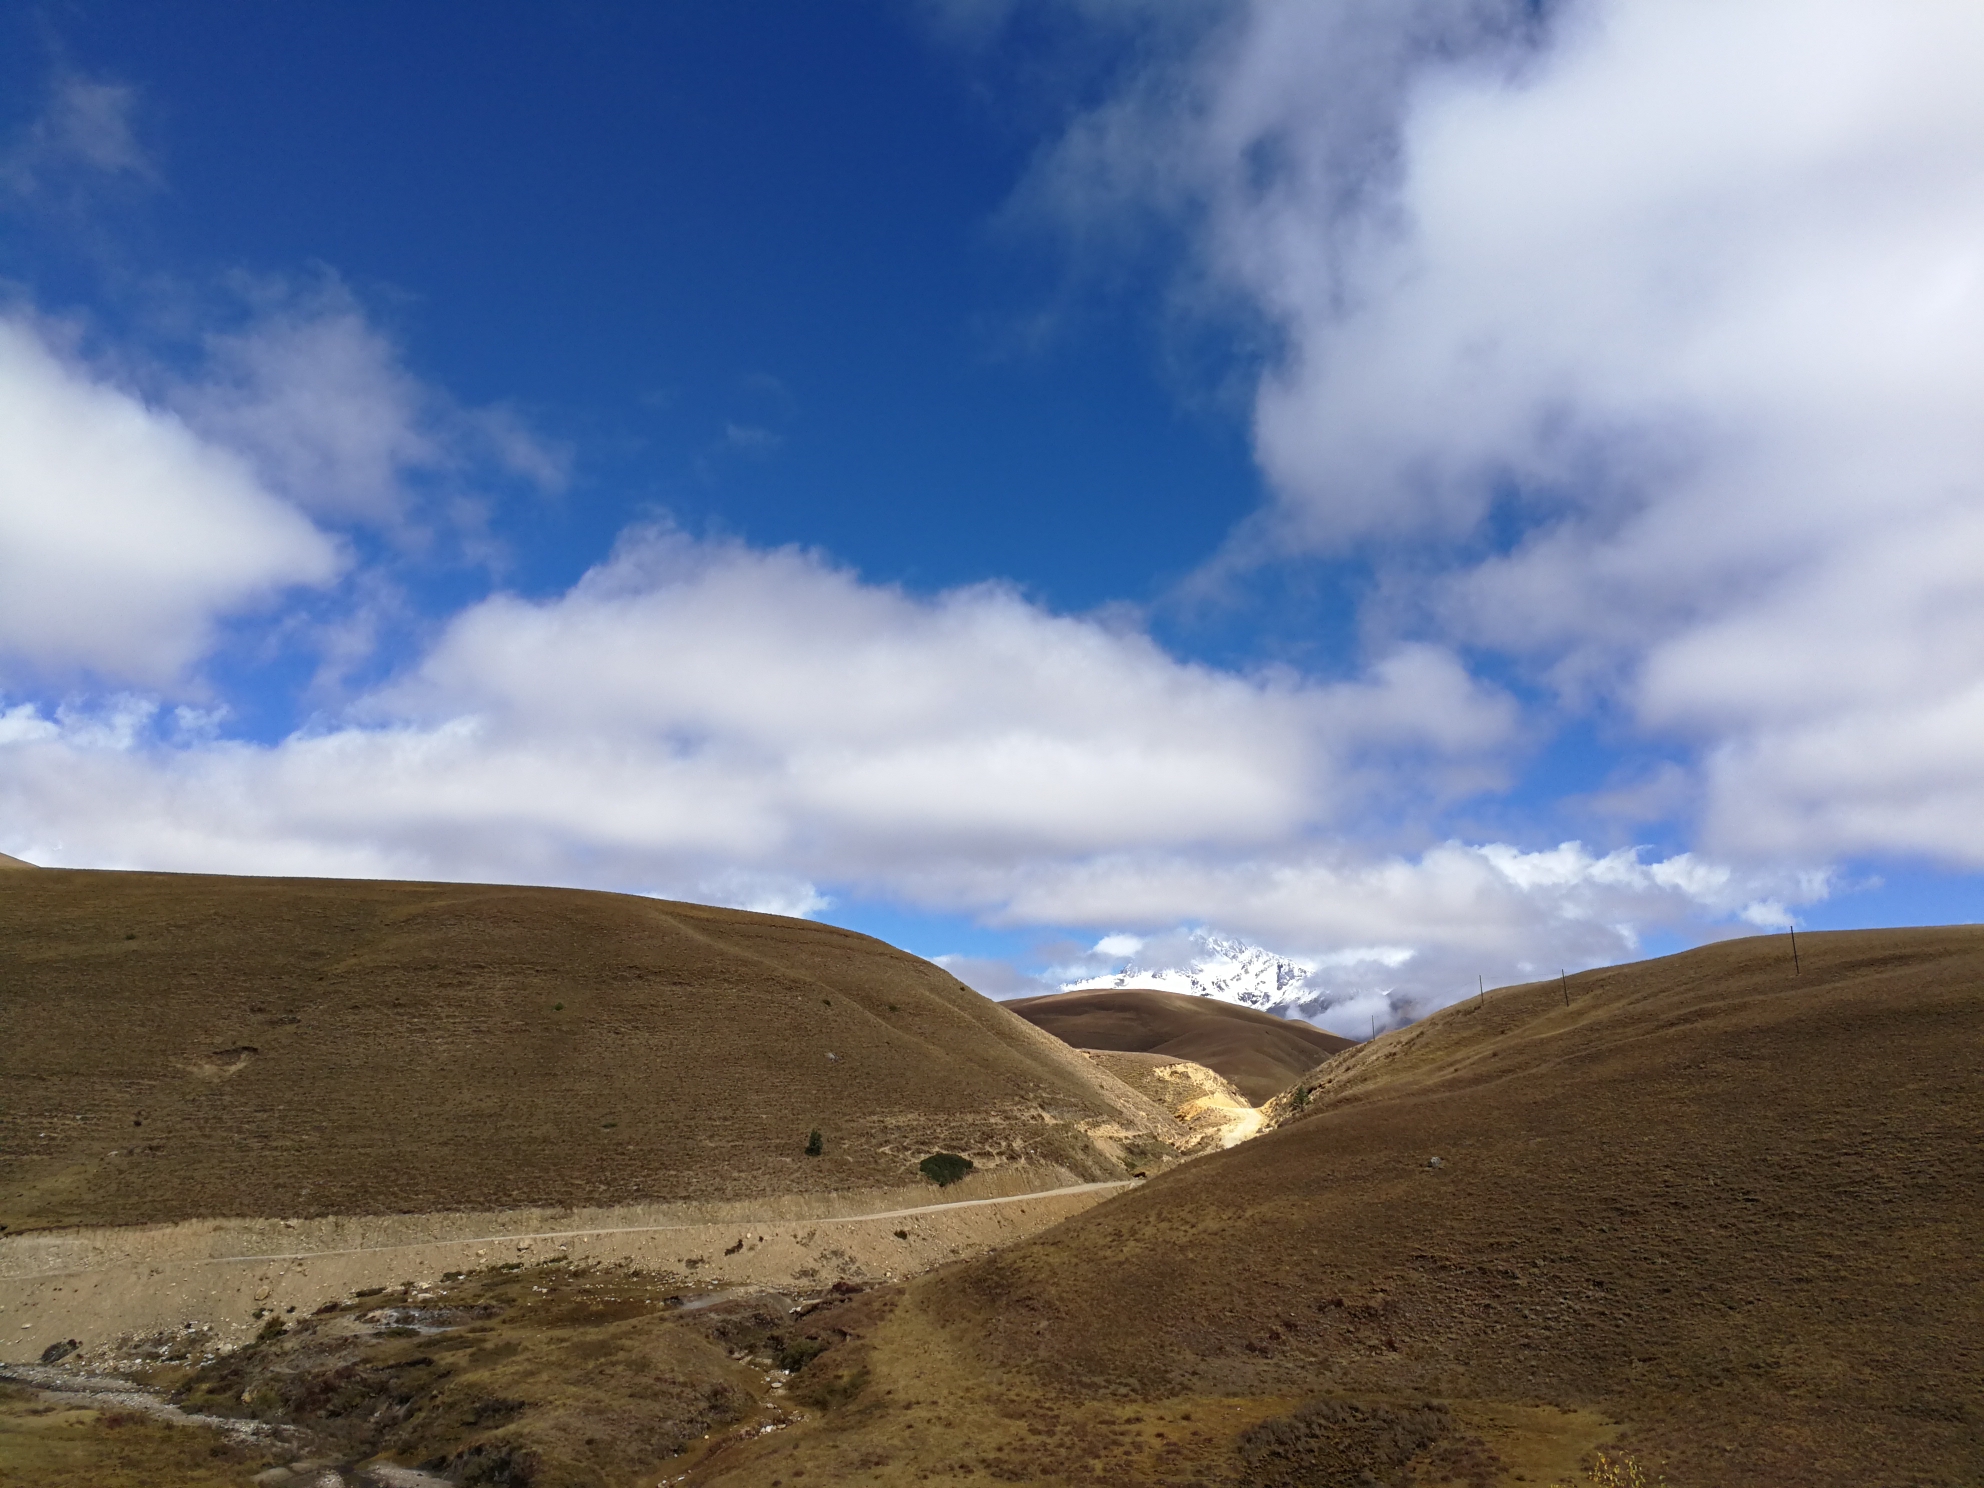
[320, 401]
[1391, 938]
[995, 978]
[1688, 296]
[1408, 920]
[123, 536]
[690, 711]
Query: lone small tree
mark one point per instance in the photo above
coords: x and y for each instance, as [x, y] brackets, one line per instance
[814, 1146]
[944, 1168]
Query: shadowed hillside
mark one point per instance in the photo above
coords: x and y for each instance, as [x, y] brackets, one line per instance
[175, 1046]
[1261, 1054]
[1723, 1212]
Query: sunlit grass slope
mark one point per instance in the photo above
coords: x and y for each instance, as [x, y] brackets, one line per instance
[176, 1046]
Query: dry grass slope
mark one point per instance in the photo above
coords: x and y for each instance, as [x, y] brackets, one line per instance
[1732, 1210]
[1260, 1053]
[177, 1046]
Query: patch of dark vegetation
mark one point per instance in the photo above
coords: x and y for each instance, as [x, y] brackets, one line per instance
[578, 1375]
[800, 1352]
[487, 1413]
[944, 1168]
[490, 1465]
[827, 1392]
[1353, 1442]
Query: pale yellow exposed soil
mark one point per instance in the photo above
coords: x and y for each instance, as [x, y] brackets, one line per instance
[1214, 1114]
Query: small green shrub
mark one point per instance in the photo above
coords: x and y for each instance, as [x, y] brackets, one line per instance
[944, 1168]
[814, 1146]
[796, 1355]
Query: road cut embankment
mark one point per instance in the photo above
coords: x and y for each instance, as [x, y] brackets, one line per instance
[225, 1274]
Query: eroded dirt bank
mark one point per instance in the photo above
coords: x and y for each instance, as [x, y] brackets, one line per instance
[228, 1275]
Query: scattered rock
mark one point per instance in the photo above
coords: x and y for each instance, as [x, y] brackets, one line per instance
[1436, 1162]
[56, 1352]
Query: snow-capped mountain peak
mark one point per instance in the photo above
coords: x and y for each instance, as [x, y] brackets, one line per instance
[1223, 968]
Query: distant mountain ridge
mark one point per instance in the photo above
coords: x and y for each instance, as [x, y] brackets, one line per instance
[1229, 970]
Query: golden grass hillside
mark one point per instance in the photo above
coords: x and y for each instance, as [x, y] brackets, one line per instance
[1258, 1052]
[177, 1046]
[1722, 1213]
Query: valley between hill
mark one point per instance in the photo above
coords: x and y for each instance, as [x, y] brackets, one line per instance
[1719, 1211]
[1259, 1054]
[1710, 1210]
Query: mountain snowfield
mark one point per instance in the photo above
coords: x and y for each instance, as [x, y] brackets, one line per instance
[1234, 971]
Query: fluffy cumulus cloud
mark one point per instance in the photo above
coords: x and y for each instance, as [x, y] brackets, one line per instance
[693, 710]
[758, 727]
[1655, 329]
[149, 495]
[123, 535]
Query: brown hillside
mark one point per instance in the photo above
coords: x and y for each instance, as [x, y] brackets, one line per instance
[1261, 1054]
[7, 862]
[174, 1046]
[1724, 1212]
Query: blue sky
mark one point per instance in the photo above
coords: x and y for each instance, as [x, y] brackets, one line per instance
[1495, 482]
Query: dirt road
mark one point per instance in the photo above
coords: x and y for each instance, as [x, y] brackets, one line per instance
[225, 1275]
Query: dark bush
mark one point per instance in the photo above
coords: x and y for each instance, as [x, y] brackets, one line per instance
[814, 1146]
[796, 1355]
[1342, 1441]
[944, 1168]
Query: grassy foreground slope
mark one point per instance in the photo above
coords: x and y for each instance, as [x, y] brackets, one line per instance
[1261, 1054]
[177, 1046]
[1731, 1210]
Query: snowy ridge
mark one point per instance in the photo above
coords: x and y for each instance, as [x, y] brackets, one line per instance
[1226, 969]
